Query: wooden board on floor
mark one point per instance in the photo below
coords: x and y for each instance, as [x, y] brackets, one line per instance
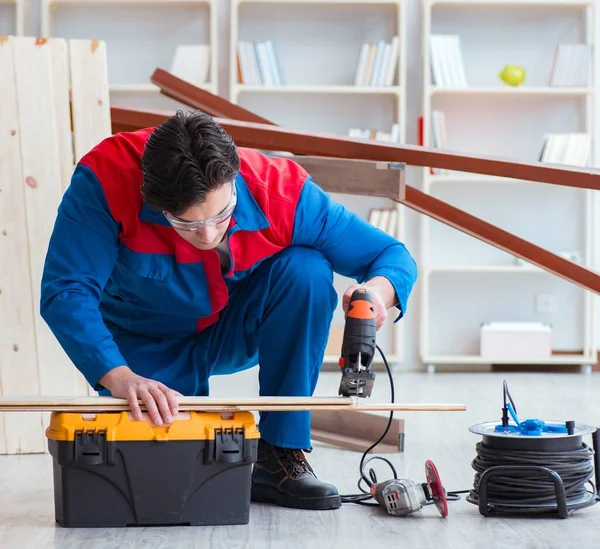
[357, 431]
[106, 403]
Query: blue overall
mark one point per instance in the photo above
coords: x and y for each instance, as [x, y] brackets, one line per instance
[120, 287]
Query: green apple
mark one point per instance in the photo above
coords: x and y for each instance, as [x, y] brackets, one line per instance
[513, 75]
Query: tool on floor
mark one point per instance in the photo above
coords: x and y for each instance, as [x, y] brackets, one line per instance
[358, 346]
[402, 497]
[533, 466]
[399, 497]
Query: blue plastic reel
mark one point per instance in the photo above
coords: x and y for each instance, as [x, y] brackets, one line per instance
[532, 427]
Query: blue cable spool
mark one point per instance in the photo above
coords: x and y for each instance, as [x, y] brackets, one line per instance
[533, 466]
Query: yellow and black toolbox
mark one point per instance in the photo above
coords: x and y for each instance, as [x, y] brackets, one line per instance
[110, 470]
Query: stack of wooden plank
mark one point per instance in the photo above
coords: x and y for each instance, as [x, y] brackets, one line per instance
[54, 107]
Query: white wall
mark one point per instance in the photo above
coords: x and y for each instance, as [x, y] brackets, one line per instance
[414, 108]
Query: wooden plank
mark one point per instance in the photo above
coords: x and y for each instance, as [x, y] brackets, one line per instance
[249, 135]
[18, 357]
[44, 189]
[251, 130]
[504, 240]
[358, 431]
[90, 107]
[89, 94]
[269, 137]
[25, 403]
[175, 88]
[61, 83]
[359, 177]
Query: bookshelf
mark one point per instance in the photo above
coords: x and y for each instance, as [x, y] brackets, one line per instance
[178, 35]
[12, 17]
[334, 66]
[549, 117]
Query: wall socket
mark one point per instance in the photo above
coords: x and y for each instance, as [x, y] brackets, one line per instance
[546, 303]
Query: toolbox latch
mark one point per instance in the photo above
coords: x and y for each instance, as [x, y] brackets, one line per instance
[90, 447]
[229, 444]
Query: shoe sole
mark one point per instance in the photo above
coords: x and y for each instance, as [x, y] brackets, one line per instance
[264, 494]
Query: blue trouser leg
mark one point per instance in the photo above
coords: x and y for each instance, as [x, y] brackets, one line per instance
[279, 317]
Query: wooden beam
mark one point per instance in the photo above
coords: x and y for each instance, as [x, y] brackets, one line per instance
[197, 98]
[262, 136]
[111, 404]
[491, 234]
[274, 138]
[359, 177]
[356, 432]
[336, 146]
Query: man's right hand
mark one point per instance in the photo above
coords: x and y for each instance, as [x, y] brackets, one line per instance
[160, 401]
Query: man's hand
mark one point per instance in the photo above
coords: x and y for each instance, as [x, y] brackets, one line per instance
[383, 295]
[159, 400]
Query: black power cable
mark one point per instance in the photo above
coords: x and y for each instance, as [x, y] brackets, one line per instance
[363, 497]
[372, 479]
[528, 489]
[525, 491]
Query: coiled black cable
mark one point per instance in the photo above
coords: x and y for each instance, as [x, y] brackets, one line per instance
[529, 489]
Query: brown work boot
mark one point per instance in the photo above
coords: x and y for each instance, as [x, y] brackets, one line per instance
[284, 477]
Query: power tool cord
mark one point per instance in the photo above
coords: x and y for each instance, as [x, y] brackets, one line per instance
[529, 490]
[365, 495]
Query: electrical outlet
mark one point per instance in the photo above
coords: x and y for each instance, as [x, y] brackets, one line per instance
[546, 303]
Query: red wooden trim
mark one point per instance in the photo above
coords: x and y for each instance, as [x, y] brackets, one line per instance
[256, 135]
[270, 137]
[491, 234]
[200, 99]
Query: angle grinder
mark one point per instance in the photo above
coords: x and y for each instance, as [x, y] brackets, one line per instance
[402, 497]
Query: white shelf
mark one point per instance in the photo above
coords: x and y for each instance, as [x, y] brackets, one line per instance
[129, 3]
[508, 269]
[569, 4]
[341, 89]
[474, 359]
[318, 92]
[320, 2]
[510, 90]
[465, 281]
[141, 35]
[470, 178]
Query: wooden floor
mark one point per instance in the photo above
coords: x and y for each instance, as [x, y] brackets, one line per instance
[26, 497]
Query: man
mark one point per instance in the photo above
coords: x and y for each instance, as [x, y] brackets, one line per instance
[176, 256]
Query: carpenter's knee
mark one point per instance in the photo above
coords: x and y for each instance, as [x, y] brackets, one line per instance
[306, 264]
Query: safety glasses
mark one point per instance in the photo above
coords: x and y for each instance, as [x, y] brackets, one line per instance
[211, 221]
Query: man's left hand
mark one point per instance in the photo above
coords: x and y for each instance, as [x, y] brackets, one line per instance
[382, 293]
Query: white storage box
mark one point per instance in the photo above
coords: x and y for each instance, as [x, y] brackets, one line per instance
[516, 340]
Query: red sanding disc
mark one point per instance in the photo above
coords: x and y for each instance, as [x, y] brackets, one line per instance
[437, 490]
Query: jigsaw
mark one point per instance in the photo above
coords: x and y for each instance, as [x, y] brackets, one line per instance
[358, 346]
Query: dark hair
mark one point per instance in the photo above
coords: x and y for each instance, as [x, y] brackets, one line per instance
[186, 157]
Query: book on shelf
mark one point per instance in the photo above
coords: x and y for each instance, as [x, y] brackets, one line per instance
[572, 66]
[191, 63]
[566, 148]
[377, 63]
[439, 138]
[257, 63]
[379, 135]
[447, 68]
[385, 219]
